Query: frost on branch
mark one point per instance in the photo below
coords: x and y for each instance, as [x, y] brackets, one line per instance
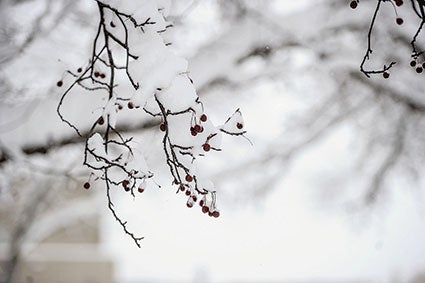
[129, 51]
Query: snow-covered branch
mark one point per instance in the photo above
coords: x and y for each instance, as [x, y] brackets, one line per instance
[135, 70]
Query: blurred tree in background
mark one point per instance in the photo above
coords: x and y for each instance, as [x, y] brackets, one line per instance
[293, 68]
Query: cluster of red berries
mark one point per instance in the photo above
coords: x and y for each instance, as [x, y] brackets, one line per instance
[193, 198]
[79, 70]
[188, 192]
[206, 209]
[124, 183]
[398, 3]
[126, 186]
[130, 105]
[419, 68]
[196, 129]
[99, 74]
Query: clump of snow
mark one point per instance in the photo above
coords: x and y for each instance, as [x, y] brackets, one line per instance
[156, 66]
[179, 96]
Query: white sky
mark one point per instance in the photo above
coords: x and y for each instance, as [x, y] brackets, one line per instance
[288, 236]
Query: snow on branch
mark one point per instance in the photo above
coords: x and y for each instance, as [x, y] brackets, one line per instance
[128, 49]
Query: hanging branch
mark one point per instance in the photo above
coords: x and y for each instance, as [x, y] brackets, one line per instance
[107, 153]
[421, 14]
[418, 8]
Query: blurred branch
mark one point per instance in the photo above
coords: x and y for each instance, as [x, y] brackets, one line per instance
[24, 115]
[382, 90]
[46, 148]
[37, 30]
[178, 18]
[26, 218]
[311, 133]
[390, 161]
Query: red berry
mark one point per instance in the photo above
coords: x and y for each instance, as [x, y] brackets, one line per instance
[216, 214]
[412, 63]
[125, 183]
[203, 118]
[96, 74]
[193, 132]
[101, 121]
[206, 147]
[353, 4]
[399, 2]
[189, 204]
[205, 209]
[201, 129]
[59, 83]
[194, 198]
[188, 193]
[419, 70]
[162, 127]
[210, 214]
[130, 105]
[182, 188]
[399, 21]
[126, 189]
[239, 126]
[86, 185]
[120, 107]
[197, 128]
[102, 75]
[141, 190]
[112, 24]
[189, 178]
[79, 70]
[386, 75]
[423, 65]
[201, 203]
